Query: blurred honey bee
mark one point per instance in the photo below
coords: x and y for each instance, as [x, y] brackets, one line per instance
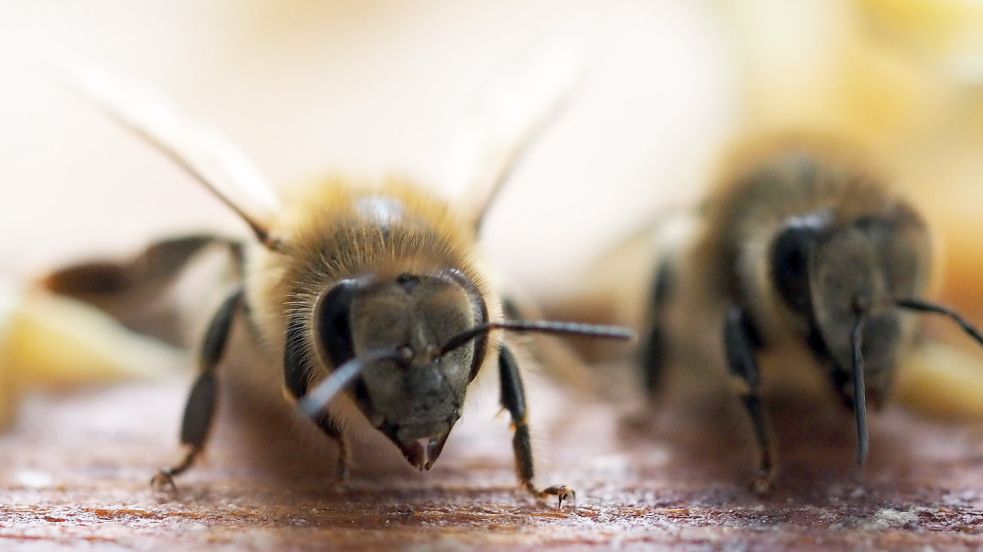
[803, 251]
[373, 301]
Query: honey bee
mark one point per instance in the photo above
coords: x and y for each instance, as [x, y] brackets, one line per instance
[373, 301]
[802, 248]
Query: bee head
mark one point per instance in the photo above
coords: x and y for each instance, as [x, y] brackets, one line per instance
[413, 392]
[832, 273]
[844, 280]
[408, 347]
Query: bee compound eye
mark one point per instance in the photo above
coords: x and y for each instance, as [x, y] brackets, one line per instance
[790, 253]
[789, 259]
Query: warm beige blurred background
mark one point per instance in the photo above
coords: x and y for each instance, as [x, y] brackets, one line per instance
[371, 87]
[365, 88]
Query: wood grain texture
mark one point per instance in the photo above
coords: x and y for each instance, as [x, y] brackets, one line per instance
[74, 475]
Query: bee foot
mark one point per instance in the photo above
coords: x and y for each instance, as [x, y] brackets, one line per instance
[561, 492]
[340, 487]
[163, 482]
[340, 484]
[763, 484]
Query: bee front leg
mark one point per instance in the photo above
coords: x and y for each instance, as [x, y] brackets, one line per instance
[344, 452]
[514, 400]
[296, 380]
[655, 349]
[741, 342]
[199, 412]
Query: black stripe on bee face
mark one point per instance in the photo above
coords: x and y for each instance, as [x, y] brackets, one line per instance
[790, 257]
[653, 354]
[665, 281]
[332, 327]
[481, 316]
[333, 321]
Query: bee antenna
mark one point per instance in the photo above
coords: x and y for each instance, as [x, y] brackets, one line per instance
[934, 308]
[859, 390]
[538, 326]
[314, 402]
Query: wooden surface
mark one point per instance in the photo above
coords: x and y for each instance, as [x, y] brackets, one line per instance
[75, 475]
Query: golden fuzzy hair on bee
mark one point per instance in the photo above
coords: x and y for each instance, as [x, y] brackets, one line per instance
[752, 200]
[386, 229]
[337, 229]
[370, 294]
[808, 257]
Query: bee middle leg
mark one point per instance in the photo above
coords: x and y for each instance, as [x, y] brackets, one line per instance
[199, 412]
[296, 379]
[513, 399]
[741, 343]
[655, 349]
[327, 425]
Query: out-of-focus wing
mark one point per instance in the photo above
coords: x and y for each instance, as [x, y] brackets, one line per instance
[202, 151]
[513, 112]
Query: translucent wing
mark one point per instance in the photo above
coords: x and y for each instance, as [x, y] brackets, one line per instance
[201, 150]
[514, 111]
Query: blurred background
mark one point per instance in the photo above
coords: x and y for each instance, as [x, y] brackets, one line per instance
[371, 88]
[359, 88]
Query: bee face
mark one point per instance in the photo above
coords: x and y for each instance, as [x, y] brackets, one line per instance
[419, 395]
[829, 273]
[846, 280]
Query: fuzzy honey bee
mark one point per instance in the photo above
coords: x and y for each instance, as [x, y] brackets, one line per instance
[802, 248]
[372, 302]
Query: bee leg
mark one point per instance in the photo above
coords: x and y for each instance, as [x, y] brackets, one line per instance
[200, 408]
[653, 359]
[344, 451]
[296, 379]
[741, 342]
[654, 351]
[514, 400]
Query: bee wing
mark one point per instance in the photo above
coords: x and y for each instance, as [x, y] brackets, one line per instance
[514, 111]
[141, 291]
[199, 149]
